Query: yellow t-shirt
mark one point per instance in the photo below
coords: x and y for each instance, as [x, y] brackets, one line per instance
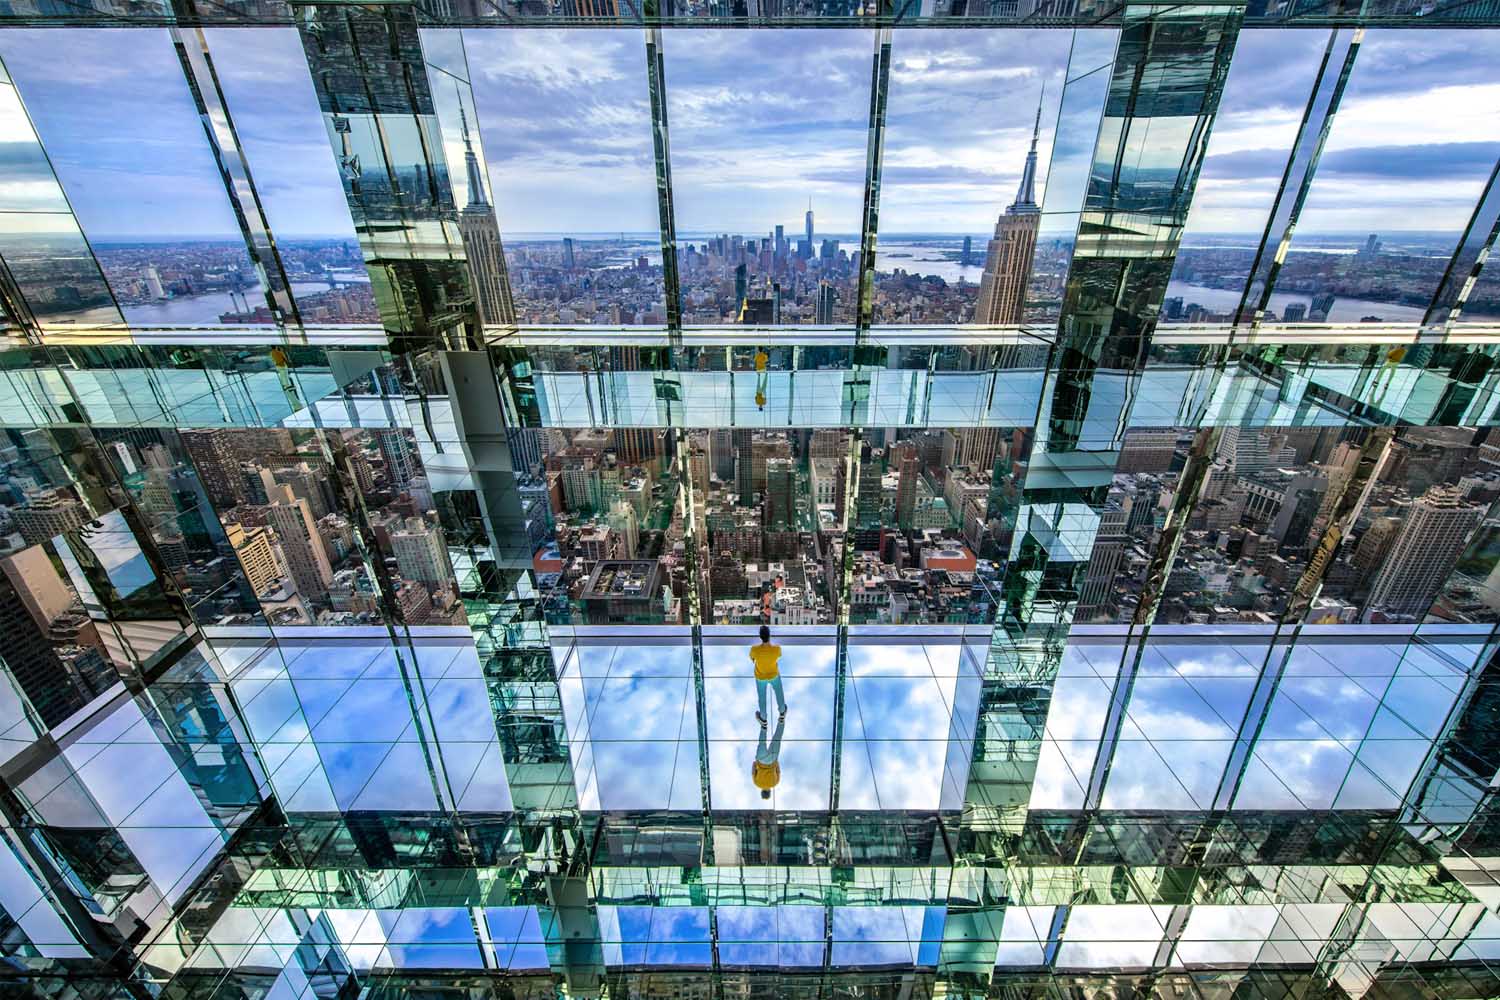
[761, 357]
[764, 656]
[765, 775]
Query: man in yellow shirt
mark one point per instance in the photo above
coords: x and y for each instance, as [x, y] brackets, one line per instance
[761, 375]
[765, 656]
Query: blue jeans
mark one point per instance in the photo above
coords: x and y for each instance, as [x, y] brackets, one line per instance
[773, 684]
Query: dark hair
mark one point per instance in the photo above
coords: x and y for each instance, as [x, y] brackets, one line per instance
[765, 793]
[765, 633]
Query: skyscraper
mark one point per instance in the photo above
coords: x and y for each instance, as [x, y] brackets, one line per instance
[910, 470]
[781, 493]
[1423, 554]
[827, 298]
[400, 460]
[301, 544]
[481, 236]
[420, 553]
[1007, 262]
[809, 223]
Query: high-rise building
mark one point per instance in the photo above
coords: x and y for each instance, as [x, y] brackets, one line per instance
[48, 514]
[153, 283]
[481, 238]
[213, 455]
[809, 225]
[51, 647]
[869, 498]
[420, 553]
[781, 494]
[909, 470]
[256, 549]
[569, 260]
[1007, 261]
[399, 457]
[301, 545]
[827, 298]
[1436, 529]
[1150, 449]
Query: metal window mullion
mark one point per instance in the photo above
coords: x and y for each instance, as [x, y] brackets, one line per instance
[840, 705]
[1302, 164]
[656, 80]
[1119, 705]
[1190, 487]
[1257, 710]
[234, 170]
[880, 83]
[1469, 257]
[700, 702]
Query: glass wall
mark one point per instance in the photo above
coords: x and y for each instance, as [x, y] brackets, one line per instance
[1242, 172]
[263, 73]
[1406, 160]
[566, 123]
[962, 113]
[769, 134]
[132, 155]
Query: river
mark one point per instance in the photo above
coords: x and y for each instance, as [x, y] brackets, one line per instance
[1224, 300]
[195, 309]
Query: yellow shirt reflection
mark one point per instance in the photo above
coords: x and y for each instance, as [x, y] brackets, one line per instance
[765, 776]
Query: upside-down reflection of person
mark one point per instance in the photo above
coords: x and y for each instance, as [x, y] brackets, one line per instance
[765, 772]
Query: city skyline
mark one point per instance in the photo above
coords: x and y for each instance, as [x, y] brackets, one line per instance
[119, 186]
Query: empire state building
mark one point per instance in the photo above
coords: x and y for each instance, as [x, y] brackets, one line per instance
[481, 236]
[1007, 262]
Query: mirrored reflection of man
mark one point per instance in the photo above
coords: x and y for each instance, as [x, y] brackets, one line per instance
[766, 655]
[766, 769]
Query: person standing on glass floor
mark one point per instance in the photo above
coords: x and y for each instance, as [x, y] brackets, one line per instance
[765, 655]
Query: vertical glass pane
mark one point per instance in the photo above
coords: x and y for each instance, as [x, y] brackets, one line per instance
[263, 73]
[1140, 496]
[39, 239]
[1411, 147]
[53, 650]
[1247, 155]
[129, 148]
[959, 123]
[1087, 86]
[282, 508]
[154, 467]
[769, 138]
[566, 123]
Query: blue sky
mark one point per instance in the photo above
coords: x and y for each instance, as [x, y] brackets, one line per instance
[113, 110]
[1410, 148]
[760, 122]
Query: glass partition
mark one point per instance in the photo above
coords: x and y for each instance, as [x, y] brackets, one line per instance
[768, 179]
[130, 150]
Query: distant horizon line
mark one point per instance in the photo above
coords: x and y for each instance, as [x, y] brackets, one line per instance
[604, 234]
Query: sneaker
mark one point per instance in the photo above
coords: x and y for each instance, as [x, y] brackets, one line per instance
[782, 713]
[761, 719]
